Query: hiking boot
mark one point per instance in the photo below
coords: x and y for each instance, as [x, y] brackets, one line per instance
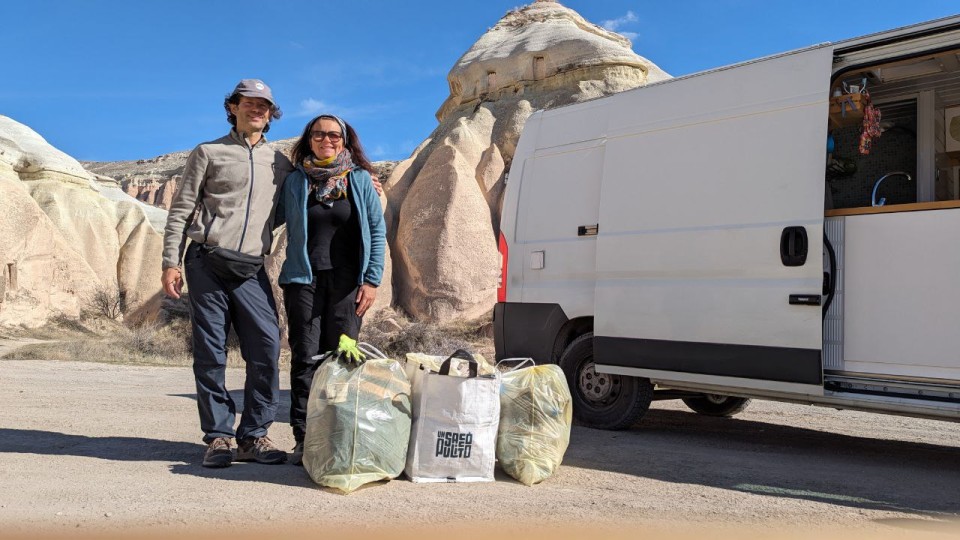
[261, 450]
[297, 456]
[218, 454]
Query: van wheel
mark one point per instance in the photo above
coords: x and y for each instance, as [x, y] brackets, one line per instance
[601, 400]
[716, 405]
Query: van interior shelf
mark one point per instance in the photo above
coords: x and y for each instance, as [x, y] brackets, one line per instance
[847, 109]
[910, 207]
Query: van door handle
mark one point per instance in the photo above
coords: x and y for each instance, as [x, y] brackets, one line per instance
[793, 246]
[805, 299]
[588, 230]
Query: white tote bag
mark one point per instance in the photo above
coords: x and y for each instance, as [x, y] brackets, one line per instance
[454, 433]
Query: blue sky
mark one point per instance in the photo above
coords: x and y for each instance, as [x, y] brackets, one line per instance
[119, 79]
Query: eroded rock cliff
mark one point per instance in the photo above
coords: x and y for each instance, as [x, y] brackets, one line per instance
[444, 201]
[65, 234]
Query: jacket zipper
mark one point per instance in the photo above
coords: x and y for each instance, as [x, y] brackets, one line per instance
[246, 218]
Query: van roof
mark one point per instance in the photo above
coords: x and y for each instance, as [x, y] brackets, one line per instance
[845, 46]
[888, 36]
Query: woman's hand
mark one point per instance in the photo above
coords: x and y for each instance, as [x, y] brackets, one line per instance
[365, 297]
[172, 282]
[376, 184]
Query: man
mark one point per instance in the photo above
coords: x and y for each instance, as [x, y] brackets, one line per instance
[226, 206]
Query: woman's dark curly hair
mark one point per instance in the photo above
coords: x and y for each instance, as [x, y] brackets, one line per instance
[234, 99]
[302, 150]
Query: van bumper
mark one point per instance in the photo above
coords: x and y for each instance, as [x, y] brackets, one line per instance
[522, 330]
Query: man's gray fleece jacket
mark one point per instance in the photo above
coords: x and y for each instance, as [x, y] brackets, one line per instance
[227, 198]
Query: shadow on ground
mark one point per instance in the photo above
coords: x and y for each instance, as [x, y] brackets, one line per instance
[779, 461]
[283, 474]
[185, 457]
[51, 443]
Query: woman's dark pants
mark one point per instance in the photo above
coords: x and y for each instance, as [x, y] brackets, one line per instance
[317, 314]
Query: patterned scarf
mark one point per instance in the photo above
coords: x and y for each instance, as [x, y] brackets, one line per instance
[328, 177]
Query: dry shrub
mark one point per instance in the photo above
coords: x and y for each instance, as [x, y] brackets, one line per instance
[102, 339]
[169, 343]
[109, 302]
[109, 341]
[395, 335]
[58, 327]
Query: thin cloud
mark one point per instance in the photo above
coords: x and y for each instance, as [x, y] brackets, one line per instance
[313, 107]
[629, 35]
[614, 24]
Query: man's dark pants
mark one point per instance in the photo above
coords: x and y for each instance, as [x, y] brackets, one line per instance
[249, 306]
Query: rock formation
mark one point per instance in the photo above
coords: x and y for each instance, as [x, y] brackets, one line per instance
[65, 234]
[152, 181]
[444, 201]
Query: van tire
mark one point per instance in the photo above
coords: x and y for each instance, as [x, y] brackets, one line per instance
[716, 405]
[625, 399]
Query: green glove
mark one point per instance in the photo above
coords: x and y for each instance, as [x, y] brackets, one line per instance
[347, 349]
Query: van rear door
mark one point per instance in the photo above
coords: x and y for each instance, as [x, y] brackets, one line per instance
[709, 253]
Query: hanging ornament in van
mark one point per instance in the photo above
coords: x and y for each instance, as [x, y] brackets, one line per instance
[871, 127]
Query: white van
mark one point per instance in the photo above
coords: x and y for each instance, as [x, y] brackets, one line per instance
[732, 234]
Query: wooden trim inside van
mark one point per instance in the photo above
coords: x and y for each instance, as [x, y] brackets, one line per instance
[911, 207]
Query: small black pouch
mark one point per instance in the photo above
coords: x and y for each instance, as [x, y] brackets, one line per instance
[231, 265]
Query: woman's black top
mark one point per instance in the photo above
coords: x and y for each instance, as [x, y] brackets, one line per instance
[333, 235]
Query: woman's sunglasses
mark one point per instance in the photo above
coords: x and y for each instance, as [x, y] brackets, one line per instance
[334, 136]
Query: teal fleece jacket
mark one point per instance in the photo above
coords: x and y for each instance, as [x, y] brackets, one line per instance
[292, 210]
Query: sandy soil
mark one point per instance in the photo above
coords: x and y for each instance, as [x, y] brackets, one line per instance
[95, 447]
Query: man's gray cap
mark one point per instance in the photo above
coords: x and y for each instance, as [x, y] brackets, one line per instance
[255, 88]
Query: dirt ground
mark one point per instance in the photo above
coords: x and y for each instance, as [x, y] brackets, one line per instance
[94, 447]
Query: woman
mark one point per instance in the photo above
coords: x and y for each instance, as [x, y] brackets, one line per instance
[336, 239]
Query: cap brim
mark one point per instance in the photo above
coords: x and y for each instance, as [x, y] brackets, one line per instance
[254, 94]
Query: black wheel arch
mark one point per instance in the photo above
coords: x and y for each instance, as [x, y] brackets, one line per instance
[570, 331]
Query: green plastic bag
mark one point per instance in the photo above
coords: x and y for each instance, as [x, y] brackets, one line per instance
[358, 423]
[536, 412]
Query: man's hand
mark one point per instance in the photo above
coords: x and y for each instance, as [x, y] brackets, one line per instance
[365, 297]
[172, 282]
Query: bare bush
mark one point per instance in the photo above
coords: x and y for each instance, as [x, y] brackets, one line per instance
[396, 335]
[107, 302]
[170, 342]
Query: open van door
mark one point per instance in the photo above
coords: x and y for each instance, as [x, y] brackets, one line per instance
[709, 252]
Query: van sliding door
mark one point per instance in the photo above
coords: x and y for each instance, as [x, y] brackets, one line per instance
[709, 261]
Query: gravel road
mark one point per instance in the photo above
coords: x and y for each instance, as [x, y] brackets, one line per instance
[96, 447]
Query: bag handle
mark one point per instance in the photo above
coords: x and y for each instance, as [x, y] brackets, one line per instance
[519, 363]
[462, 355]
[370, 350]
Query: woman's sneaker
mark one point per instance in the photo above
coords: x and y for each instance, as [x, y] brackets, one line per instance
[218, 453]
[261, 450]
